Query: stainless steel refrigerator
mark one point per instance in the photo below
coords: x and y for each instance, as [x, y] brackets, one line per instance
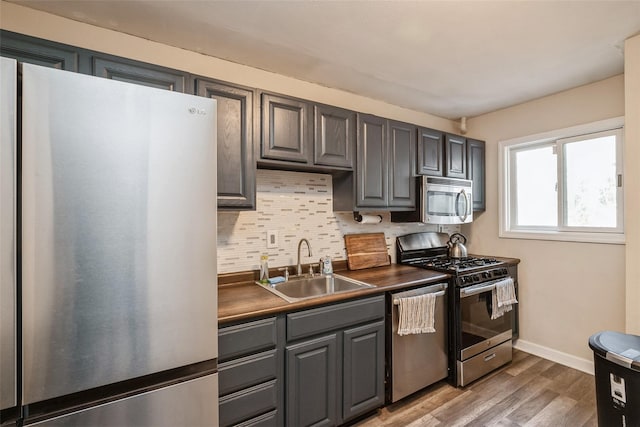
[108, 246]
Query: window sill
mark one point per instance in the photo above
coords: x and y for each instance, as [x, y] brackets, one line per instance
[566, 236]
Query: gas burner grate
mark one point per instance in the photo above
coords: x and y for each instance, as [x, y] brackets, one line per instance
[454, 264]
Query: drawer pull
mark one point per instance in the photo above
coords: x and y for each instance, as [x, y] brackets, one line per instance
[489, 357]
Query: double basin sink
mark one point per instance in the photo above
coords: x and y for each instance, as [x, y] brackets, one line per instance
[301, 288]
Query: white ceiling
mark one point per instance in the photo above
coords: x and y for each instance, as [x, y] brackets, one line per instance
[447, 58]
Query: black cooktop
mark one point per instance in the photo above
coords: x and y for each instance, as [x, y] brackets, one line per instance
[429, 250]
[448, 264]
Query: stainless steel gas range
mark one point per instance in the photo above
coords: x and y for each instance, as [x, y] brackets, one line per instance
[478, 343]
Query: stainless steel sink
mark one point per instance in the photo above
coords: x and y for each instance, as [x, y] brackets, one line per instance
[297, 289]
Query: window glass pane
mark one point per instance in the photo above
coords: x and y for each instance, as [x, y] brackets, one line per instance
[536, 178]
[590, 182]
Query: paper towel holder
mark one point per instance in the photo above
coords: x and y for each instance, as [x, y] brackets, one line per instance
[367, 218]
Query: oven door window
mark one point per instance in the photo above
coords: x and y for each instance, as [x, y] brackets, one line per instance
[476, 323]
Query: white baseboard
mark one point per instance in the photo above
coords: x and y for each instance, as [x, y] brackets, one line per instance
[565, 359]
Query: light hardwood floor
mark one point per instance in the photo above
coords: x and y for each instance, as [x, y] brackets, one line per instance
[530, 391]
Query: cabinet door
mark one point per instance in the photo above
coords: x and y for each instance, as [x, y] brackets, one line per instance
[334, 136]
[286, 129]
[430, 152]
[135, 72]
[363, 367]
[371, 176]
[401, 164]
[476, 172]
[312, 394]
[455, 156]
[38, 51]
[236, 161]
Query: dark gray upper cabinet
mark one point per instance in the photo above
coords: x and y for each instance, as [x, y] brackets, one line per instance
[401, 164]
[386, 161]
[37, 51]
[430, 152]
[334, 136]
[286, 129]
[135, 72]
[455, 156]
[236, 150]
[476, 172]
[371, 180]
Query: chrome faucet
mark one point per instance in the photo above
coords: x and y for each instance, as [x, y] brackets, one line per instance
[299, 267]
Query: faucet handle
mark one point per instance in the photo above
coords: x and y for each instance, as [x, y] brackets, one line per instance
[286, 273]
[310, 270]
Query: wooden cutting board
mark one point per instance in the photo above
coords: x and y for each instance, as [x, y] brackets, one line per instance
[366, 250]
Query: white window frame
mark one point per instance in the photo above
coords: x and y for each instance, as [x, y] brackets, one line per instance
[557, 138]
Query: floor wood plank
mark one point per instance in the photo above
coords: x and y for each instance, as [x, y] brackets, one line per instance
[530, 391]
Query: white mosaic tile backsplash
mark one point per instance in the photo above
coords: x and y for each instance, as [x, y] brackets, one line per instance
[295, 205]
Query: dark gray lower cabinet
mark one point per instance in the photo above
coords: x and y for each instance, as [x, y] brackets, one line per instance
[251, 373]
[311, 382]
[363, 369]
[335, 362]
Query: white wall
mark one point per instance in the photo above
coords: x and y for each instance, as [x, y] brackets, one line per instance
[632, 179]
[568, 291]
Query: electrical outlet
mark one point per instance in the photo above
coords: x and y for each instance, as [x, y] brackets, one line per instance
[272, 239]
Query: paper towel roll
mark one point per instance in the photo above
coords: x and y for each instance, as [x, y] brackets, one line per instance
[367, 219]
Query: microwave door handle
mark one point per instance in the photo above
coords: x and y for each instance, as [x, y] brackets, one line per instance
[464, 216]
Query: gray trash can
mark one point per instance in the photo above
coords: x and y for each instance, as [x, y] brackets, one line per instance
[616, 358]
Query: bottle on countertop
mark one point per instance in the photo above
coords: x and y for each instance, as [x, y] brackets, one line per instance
[264, 269]
[325, 265]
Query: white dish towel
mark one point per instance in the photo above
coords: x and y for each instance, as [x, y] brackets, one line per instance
[416, 314]
[503, 297]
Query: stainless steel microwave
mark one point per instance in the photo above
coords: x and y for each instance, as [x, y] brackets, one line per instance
[441, 201]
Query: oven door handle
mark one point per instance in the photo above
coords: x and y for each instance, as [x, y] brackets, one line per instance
[467, 292]
[481, 287]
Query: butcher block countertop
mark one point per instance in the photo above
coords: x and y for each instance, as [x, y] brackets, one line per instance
[246, 300]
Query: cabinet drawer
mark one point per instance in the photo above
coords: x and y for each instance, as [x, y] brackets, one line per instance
[246, 372]
[246, 404]
[246, 338]
[266, 420]
[318, 320]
